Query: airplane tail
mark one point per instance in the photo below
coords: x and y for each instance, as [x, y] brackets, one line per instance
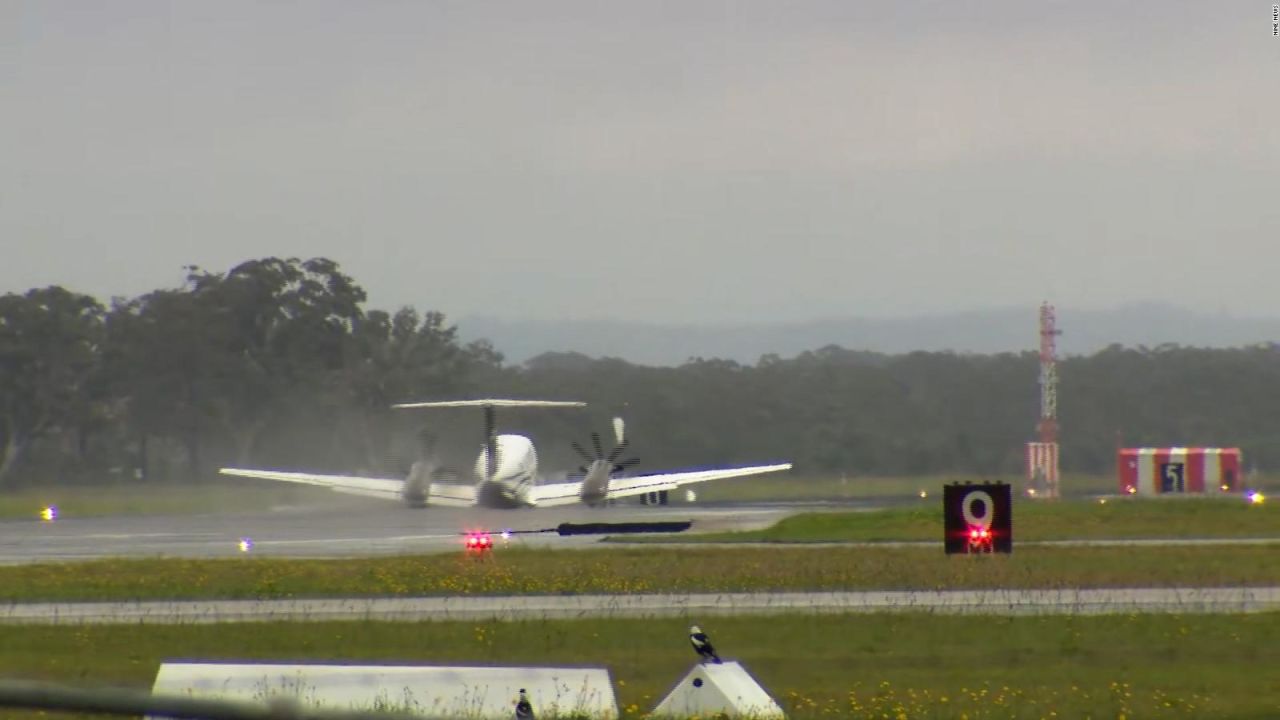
[489, 458]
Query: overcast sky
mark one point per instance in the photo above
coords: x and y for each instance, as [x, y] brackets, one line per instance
[662, 161]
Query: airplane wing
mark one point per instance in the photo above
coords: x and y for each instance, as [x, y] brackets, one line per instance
[626, 487]
[568, 493]
[556, 494]
[445, 494]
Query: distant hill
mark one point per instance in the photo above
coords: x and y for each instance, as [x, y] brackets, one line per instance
[983, 331]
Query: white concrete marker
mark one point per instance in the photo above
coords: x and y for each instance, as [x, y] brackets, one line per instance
[432, 692]
[715, 689]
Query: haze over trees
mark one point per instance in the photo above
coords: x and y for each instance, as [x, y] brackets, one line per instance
[279, 363]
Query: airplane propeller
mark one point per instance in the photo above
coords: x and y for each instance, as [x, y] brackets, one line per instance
[612, 458]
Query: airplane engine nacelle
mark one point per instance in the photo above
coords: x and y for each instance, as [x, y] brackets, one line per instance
[596, 483]
[418, 485]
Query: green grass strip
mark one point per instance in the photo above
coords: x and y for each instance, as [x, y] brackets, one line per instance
[1032, 521]
[160, 499]
[914, 666]
[643, 570]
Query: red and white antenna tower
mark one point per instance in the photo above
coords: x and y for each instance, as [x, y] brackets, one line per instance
[1048, 425]
[1042, 456]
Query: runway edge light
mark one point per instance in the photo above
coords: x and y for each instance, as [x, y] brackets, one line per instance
[977, 519]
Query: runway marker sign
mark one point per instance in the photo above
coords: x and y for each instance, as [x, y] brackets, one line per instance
[977, 519]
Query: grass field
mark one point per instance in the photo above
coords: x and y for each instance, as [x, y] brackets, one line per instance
[913, 666]
[1125, 518]
[643, 570]
[160, 499]
[791, 486]
[1136, 666]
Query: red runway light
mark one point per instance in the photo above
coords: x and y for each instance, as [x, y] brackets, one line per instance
[479, 542]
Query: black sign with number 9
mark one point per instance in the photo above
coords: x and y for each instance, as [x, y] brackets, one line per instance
[977, 518]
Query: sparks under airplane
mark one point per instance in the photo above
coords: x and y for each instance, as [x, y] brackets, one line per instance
[511, 481]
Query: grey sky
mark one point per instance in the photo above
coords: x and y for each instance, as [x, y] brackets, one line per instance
[658, 161]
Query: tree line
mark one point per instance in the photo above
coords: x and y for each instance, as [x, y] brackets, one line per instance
[278, 363]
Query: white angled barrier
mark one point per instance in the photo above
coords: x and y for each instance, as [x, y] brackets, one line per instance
[432, 692]
[712, 690]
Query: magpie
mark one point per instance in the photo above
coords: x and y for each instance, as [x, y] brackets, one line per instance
[524, 709]
[702, 644]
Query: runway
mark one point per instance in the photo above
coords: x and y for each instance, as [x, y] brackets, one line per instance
[372, 528]
[366, 528]
[360, 528]
[533, 607]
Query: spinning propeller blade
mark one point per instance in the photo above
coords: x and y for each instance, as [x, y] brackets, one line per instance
[614, 453]
[583, 453]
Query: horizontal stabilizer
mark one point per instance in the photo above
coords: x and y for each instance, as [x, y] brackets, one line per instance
[491, 402]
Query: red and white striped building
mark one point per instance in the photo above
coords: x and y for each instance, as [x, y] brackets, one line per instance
[1172, 470]
[1042, 468]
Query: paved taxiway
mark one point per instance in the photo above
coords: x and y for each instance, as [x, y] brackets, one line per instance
[360, 528]
[526, 607]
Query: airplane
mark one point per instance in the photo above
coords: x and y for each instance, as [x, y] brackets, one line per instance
[506, 472]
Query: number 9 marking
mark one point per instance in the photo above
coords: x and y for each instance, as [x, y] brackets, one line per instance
[966, 506]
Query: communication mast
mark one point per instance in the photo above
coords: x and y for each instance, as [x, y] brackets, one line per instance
[1042, 456]
[1048, 425]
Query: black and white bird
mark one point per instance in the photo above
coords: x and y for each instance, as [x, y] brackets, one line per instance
[702, 644]
[524, 709]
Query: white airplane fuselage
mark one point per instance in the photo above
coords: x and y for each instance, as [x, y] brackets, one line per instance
[506, 484]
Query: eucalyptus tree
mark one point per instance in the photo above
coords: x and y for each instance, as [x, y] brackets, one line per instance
[164, 358]
[50, 339]
[278, 330]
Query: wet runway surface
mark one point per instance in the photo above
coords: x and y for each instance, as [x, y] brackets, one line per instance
[371, 528]
[374, 528]
[363, 528]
